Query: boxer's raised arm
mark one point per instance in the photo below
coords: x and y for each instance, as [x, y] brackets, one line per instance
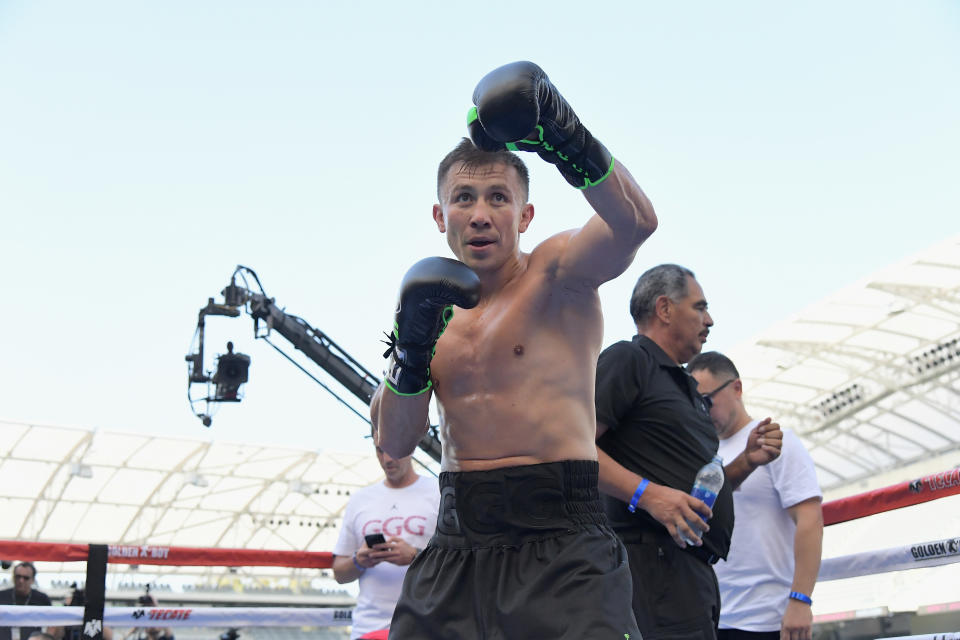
[518, 108]
[607, 244]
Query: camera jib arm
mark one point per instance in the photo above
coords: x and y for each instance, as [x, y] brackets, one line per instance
[313, 343]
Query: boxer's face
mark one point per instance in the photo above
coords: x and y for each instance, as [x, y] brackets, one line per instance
[483, 213]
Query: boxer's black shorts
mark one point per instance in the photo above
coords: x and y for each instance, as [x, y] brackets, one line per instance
[520, 553]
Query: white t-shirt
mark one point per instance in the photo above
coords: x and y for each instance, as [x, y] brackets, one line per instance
[756, 577]
[409, 513]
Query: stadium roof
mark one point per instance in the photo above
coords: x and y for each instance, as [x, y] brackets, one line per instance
[73, 485]
[870, 377]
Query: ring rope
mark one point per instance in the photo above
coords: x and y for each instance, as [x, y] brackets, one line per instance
[896, 496]
[916, 556]
[35, 616]
[162, 555]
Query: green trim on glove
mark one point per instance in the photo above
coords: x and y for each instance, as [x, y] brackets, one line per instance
[587, 183]
[408, 395]
[397, 370]
[539, 145]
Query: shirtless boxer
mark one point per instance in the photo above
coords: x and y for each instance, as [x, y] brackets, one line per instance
[522, 548]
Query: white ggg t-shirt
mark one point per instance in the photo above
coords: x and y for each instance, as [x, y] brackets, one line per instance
[409, 513]
[756, 577]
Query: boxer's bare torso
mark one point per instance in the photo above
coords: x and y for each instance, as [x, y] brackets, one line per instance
[514, 376]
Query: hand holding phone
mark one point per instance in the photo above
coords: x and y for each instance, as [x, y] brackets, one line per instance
[373, 539]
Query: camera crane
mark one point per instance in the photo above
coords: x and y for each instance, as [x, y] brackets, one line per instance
[232, 368]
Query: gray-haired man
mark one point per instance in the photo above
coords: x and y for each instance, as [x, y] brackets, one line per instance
[653, 434]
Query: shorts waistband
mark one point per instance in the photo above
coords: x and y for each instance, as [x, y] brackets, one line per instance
[507, 505]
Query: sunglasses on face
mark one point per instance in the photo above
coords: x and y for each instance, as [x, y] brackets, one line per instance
[708, 397]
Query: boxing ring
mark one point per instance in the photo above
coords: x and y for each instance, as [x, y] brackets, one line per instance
[95, 615]
[926, 553]
[920, 513]
[921, 553]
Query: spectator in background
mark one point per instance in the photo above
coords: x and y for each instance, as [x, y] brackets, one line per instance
[403, 509]
[767, 579]
[22, 593]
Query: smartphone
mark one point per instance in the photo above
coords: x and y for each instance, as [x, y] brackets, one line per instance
[374, 538]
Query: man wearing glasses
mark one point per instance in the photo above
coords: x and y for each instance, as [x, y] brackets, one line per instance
[22, 593]
[766, 582]
[653, 434]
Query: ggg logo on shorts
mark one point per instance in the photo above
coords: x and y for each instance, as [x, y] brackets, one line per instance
[449, 522]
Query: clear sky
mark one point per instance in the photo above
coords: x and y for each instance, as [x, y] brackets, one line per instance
[146, 149]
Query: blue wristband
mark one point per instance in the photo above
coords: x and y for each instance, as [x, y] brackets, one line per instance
[636, 495]
[802, 597]
[357, 564]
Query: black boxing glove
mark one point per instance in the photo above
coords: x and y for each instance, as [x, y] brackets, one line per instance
[517, 108]
[428, 293]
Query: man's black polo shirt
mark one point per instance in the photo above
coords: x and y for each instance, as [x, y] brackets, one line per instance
[660, 428]
[34, 598]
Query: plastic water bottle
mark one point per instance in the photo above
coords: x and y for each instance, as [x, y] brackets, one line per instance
[706, 487]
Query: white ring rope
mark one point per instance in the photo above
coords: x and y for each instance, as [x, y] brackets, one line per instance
[34, 616]
[915, 556]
